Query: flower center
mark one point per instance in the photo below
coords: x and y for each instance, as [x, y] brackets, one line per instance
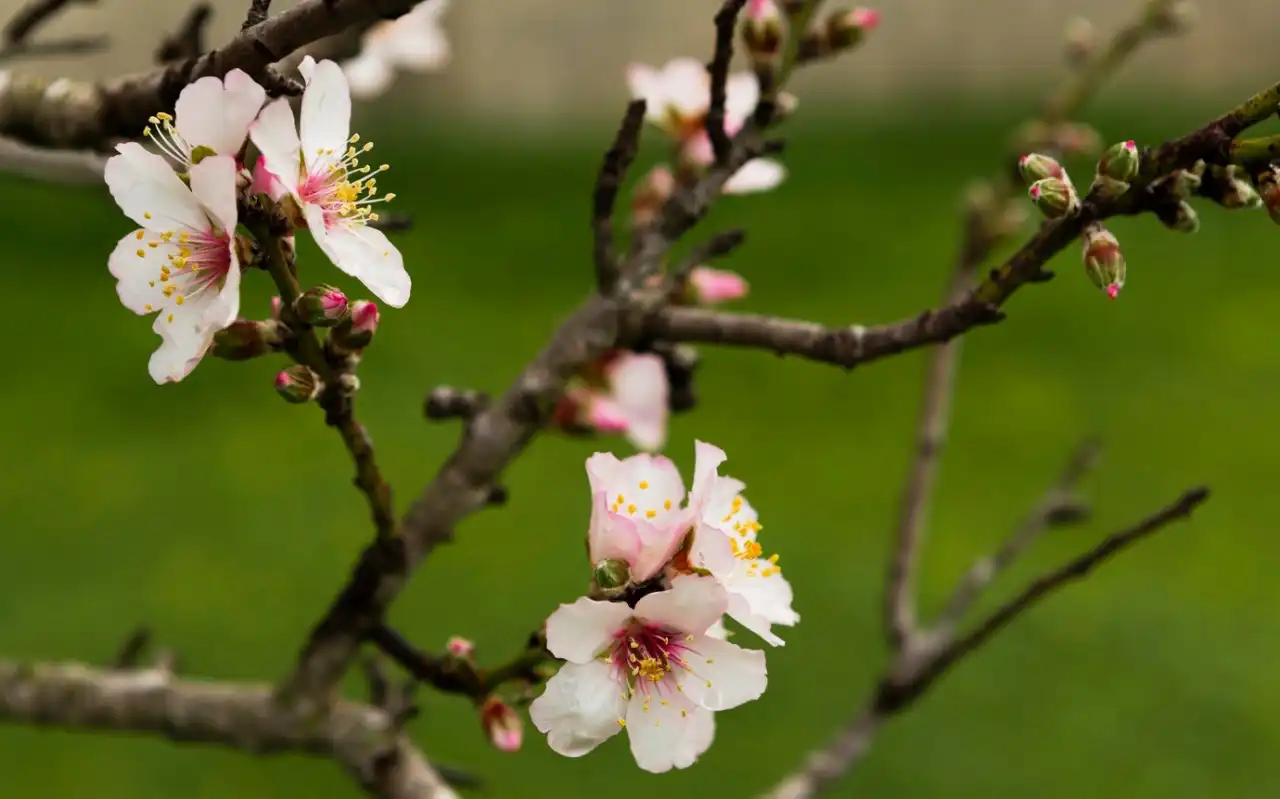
[342, 187]
[196, 261]
[647, 504]
[744, 544]
[647, 657]
[168, 139]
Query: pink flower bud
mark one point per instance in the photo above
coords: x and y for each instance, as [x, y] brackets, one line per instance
[1034, 166]
[298, 384]
[501, 724]
[276, 305]
[712, 286]
[1103, 261]
[1054, 197]
[651, 195]
[322, 306]
[245, 338]
[604, 415]
[460, 647]
[848, 28]
[762, 31]
[355, 331]
[364, 316]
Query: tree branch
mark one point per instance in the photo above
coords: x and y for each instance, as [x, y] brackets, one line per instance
[188, 40]
[362, 739]
[31, 18]
[617, 160]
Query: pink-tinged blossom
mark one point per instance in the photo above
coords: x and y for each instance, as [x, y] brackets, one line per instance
[320, 169]
[629, 396]
[651, 670]
[212, 117]
[502, 724]
[414, 42]
[181, 263]
[713, 286]
[460, 647]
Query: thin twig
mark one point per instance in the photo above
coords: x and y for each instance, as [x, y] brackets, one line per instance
[259, 10]
[458, 675]
[34, 15]
[71, 167]
[447, 402]
[617, 160]
[188, 40]
[718, 246]
[726, 21]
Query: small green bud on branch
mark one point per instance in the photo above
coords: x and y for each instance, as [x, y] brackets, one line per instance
[298, 384]
[246, 338]
[1103, 261]
[1054, 197]
[321, 306]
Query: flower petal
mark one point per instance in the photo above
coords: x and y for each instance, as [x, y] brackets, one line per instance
[149, 192]
[611, 535]
[692, 604]
[646, 486]
[213, 182]
[668, 733]
[756, 175]
[137, 276]
[741, 94]
[275, 135]
[177, 355]
[367, 255]
[215, 113]
[706, 460]
[645, 83]
[723, 675]
[578, 632]
[717, 285]
[580, 707]
[770, 596]
[658, 545]
[325, 119]
[741, 612]
[368, 74]
[712, 551]
[640, 388]
[604, 414]
[687, 86]
[602, 469]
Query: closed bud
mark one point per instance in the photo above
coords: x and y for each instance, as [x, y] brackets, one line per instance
[651, 195]
[1034, 167]
[298, 384]
[847, 29]
[1054, 197]
[1120, 161]
[762, 31]
[321, 306]
[355, 331]
[1103, 261]
[1236, 191]
[460, 647]
[1180, 217]
[611, 573]
[1269, 191]
[501, 724]
[246, 338]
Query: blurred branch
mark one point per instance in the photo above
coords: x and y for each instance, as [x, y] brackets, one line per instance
[87, 115]
[617, 160]
[447, 402]
[927, 655]
[150, 700]
[50, 166]
[31, 18]
[188, 40]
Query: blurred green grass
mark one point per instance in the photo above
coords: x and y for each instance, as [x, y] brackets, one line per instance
[225, 519]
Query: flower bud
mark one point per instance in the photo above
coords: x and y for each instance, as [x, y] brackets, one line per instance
[762, 31]
[1034, 167]
[246, 338]
[321, 306]
[460, 647]
[501, 724]
[298, 384]
[651, 195]
[276, 305]
[1185, 182]
[1269, 191]
[709, 286]
[1103, 261]
[611, 573]
[1120, 162]
[847, 29]
[1234, 191]
[355, 331]
[1054, 197]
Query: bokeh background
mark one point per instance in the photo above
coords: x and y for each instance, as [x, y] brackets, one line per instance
[225, 519]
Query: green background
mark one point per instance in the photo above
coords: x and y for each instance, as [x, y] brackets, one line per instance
[225, 518]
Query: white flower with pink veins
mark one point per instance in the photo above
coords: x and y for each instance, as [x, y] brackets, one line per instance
[320, 170]
[651, 670]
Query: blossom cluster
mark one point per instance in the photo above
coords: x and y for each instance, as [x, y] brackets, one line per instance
[184, 261]
[647, 650]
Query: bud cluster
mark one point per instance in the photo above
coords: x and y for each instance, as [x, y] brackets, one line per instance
[1051, 189]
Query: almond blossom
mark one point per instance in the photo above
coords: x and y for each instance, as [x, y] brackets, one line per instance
[651, 670]
[212, 117]
[181, 264]
[677, 98]
[321, 171]
[413, 42]
[629, 395]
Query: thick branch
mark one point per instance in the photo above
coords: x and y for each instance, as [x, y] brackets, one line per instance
[68, 114]
[30, 18]
[360, 738]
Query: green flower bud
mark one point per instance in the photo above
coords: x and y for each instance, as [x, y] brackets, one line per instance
[298, 384]
[611, 573]
[1120, 162]
[1035, 167]
[1054, 197]
[245, 338]
[1103, 261]
[322, 306]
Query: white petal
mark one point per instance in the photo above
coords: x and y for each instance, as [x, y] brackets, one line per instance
[722, 675]
[325, 120]
[276, 137]
[658, 545]
[137, 277]
[611, 535]
[718, 630]
[645, 83]
[307, 67]
[691, 605]
[416, 43]
[580, 631]
[366, 254]
[712, 551]
[687, 86]
[668, 733]
[741, 94]
[149, 192]
[177, 355]
[760, 174]
[217, 114]
[707, 459]
[213, 182]
[768, 597]
[224, 307]
[602, 470]
[580, 707]
[646, 487]
[640, 388]
[368, 75]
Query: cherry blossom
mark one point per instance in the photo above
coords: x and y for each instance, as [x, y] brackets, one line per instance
[320, 170]
[651, 670]
[413, 42]
[712, 286]
[181, 264]
[212, 117]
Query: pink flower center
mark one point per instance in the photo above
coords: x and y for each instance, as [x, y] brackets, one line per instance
[645, 655]
[342, 187]
[197, 261]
